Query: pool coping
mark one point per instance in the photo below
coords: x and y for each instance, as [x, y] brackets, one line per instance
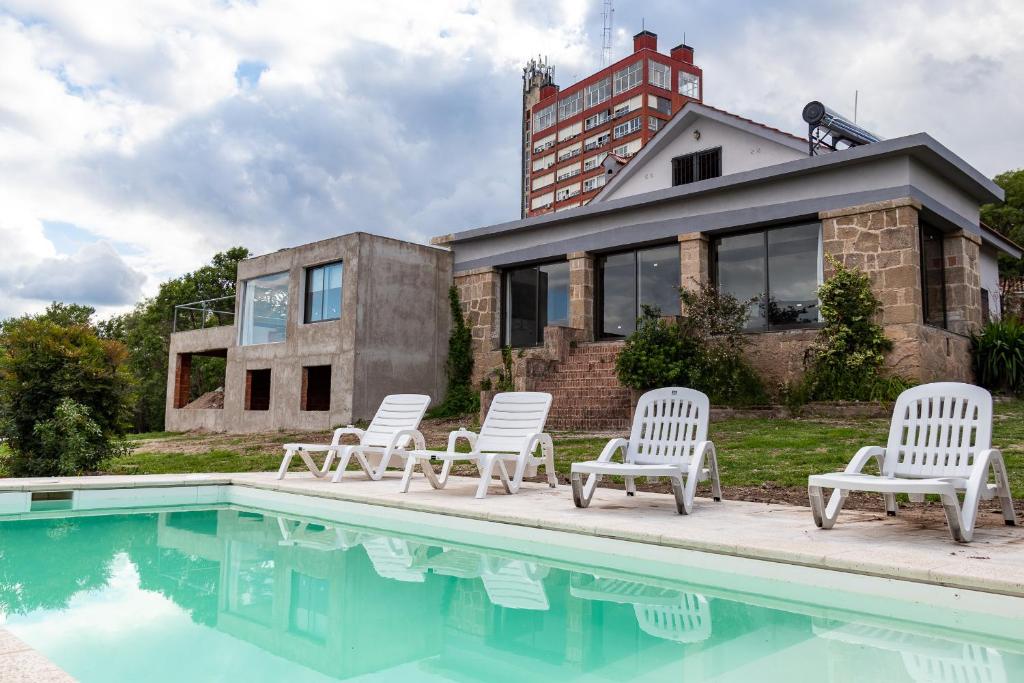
[21, 663]
[862, 542]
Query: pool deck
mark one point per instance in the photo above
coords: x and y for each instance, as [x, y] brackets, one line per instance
[861, 542]
[19, 663]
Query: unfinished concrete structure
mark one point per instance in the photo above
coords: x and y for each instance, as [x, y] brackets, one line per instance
[322, 333]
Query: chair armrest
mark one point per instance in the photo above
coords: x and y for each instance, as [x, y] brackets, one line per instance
[542, 438]
[342, 431]
[462, 433]
[982, 462]
[702, 449]
[419, 443]
[864, 456]
[618, 444]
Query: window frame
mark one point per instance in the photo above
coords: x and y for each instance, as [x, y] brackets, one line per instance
[630, 77]
[247, 312]
[625, 128]
[922, 228]
[596, 93]
[694, 159]
[506, 302]
[545, 117]
[573, 101]
[599, 293]
[308, 274]
[768, 326]
[664, 70]
[692, 82]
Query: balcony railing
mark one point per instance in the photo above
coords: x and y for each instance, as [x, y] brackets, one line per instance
[198, 315]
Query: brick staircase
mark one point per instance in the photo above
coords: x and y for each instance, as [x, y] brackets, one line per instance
[587, 395]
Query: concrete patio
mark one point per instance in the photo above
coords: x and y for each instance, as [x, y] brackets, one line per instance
[862, 542]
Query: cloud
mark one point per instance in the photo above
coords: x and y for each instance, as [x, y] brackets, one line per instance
[95, 275]
[170, 131]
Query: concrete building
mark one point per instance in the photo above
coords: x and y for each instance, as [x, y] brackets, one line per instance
[721, 199]
[322, 333]
[567, 134]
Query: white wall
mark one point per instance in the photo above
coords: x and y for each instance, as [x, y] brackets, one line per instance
[988, 268]
[741, 151]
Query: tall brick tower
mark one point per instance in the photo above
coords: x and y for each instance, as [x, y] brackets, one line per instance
[567, 133]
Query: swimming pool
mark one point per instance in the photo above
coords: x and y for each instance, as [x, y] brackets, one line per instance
[285, 592]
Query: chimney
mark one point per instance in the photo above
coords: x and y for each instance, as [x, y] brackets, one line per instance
[645, 39]
[682, 53]
[547, 90]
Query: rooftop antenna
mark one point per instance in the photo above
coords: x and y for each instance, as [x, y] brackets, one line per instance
[606, 33]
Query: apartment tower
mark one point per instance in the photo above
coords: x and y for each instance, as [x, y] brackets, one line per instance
[569, 134]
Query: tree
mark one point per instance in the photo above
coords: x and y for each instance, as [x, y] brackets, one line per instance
[146, 332]
[63, 393]
[1008, 218]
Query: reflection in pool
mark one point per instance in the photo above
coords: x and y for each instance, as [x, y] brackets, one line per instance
[229, 594]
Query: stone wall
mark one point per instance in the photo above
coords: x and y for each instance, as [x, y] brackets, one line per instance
[480, 293]
[581, 293]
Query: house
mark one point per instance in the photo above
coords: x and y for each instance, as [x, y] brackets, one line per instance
[322, 333]
[716, 198]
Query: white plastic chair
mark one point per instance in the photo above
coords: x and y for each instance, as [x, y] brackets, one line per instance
[940, 442]
[515, 584]
[297, 533]
[669, 439]
[394, 558]
[389, 434]
[511, 433]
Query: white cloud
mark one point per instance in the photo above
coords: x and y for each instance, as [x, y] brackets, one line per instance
[126, 119]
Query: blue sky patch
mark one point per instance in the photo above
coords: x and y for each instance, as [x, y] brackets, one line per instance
[248, 73]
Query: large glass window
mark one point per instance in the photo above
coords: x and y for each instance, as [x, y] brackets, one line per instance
[535, 297]
[598, 93]
[631, 126]
[629, 77]
[659, 74]
[323, 293]
[570, 106]
[777, 271]
[265, 309]
[631, 280]
[689, 85]
[543, 118]
[933, 276]
[309, 602]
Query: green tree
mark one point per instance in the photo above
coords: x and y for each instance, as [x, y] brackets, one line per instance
[1008, 217]
[63, 393]
[146, 332]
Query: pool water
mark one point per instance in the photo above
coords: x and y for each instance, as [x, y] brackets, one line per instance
[230, 594]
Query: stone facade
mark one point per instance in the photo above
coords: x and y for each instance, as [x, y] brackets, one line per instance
[694, 260]
[581, 293]
[480, 294]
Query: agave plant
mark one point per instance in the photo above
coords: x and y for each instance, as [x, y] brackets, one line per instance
[999, 355]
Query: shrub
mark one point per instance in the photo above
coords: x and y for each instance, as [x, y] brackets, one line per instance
[459, 397]
[42, 364]
[998, 353]
[702, 350]
[73, 440]
[845, 360]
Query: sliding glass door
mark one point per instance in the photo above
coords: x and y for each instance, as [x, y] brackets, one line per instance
[535, 296]
[633, 279]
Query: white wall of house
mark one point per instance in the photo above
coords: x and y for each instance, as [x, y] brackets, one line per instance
[741, 151]
[988, 268]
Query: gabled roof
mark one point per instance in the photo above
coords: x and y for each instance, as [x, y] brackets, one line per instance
[690, 112]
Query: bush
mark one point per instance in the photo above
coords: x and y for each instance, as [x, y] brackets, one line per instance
[73, 440]
[845, 360]
[504, 380]
[998, 354]
[42, 365]
[702, 350]
[459, 398]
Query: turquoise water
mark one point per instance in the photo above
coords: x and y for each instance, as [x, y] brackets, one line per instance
[236, 595]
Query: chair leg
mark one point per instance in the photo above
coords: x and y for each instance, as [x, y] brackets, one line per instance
[343, 459]
[679, 491]
[825, 515]
[486, 467]
[311, 465]
[960, 531]
[630, 486]
[1003, 493]
[890, 504]
[288, 455]
[582, 495]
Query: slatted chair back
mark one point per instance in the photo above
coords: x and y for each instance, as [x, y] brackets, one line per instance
[971, 664]
[689, 622]
[937, 430]
[396, 412]
[668, 425]
[511, 419]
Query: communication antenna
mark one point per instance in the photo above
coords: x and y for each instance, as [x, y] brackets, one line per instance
[606, 33]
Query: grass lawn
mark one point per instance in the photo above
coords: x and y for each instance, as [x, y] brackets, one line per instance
[759, 459]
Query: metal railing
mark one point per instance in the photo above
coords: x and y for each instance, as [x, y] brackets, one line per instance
[202, 314]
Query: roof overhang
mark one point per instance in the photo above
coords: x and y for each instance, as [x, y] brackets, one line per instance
[1001, 242]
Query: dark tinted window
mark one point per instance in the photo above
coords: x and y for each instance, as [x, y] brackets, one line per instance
[535, 297]
[629, 281]
[776, 270]
[933, 277]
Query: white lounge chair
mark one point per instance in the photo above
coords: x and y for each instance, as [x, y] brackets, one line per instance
[669, 439]
[511, 433]
[516, 584]
[394, 558]
[940, 442]
[389, 434]
[297, 533]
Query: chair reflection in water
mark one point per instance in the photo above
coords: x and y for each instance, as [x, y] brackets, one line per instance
[664, 613]
[516, 584]
[926, 659]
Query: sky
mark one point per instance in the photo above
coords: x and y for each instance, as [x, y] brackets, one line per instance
[140, 137]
